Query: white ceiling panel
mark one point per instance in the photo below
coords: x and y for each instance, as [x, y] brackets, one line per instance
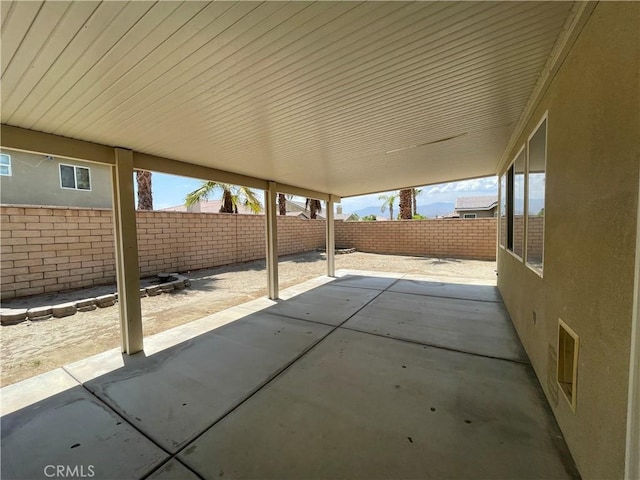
[340, 97]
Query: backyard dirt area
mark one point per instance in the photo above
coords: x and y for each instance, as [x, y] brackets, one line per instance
[31, 348]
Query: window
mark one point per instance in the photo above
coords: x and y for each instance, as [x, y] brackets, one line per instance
[536, 176]
[469, 215]
[513, 205]
[5, 164]
[503, 210]
[76, 178]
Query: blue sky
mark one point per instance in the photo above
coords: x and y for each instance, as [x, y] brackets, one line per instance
[170, 190]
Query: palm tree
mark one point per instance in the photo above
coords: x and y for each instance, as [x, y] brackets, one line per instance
[314, 206]
[416, 192]
[145, 197]
[282, 203]
[232, 196]
[389, 200]
[406, 198]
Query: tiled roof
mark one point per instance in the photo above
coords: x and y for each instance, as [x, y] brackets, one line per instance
[207, 206]
[483, 202]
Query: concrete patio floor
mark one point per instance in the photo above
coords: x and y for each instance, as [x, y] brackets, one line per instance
[367, 375]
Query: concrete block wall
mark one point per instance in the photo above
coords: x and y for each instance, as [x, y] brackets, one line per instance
[47, 250]
[53, 249]
[456, 238]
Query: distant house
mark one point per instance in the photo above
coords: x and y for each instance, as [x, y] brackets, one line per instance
[29, 179]
[475, 207]
[294, 209]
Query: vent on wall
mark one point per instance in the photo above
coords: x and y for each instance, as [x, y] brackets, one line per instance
[568, 345]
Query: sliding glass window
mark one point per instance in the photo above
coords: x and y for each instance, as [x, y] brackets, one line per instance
[536, 177]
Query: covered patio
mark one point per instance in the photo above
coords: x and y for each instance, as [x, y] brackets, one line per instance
[366, 375]
[354, 375]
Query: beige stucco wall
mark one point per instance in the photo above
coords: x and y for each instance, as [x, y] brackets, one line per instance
[35, 180]
[591, 196]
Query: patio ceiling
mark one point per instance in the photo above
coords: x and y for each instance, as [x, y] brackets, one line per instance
[345, 98]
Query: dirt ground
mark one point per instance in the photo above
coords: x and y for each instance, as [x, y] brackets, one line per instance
[31, 348]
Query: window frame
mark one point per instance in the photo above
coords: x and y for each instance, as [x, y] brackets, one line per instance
[9, 170]
[543, 119]
[75, 177]
[502, 209]
[510, 197]
[469, 215]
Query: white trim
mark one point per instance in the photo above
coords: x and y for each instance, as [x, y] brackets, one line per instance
[632, 456]
[75, 177]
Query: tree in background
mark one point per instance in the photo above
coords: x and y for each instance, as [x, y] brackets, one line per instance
[314, 206]
[145, 197]
[369, 218]
[282, 203]
[406, 200]
[388, 201]
[416, 192]
[232, 196]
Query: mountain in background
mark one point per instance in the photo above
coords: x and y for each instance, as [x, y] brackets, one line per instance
[428, 210]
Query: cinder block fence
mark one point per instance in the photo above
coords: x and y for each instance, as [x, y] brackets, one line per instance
[47, 249]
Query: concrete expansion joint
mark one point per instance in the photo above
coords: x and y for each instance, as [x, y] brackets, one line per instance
[13, 316]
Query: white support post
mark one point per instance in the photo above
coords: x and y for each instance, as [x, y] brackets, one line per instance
[331, 240]
[270, 201]
[632, 456]
[126, 246]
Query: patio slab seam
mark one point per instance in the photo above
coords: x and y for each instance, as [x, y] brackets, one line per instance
[280, 372]
[441, 347]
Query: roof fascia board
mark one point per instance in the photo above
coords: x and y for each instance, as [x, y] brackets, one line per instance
[581, 11]
[32, 141]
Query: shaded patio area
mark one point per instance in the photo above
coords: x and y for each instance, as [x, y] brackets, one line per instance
[368, 375]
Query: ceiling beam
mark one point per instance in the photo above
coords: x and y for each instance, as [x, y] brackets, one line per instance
[32, 141]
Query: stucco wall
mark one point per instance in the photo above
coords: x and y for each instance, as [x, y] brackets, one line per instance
[591, 196]
[35, 180]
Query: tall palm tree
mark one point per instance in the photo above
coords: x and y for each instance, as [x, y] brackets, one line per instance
[406, 199]
[232, 196]
[314, 206]
[282, 203]
[145, 197]
[416, 192]
[389, 200]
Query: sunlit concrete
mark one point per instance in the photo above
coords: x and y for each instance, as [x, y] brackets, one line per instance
[302, 387]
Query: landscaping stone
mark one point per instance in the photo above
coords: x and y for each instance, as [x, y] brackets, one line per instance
[178, 284]
[40, 313]
[154, 290]
[11, 316]
[64, 310]
[106, 300]
[86, 305]
[163, 276]
[143, 292]
[167, 287]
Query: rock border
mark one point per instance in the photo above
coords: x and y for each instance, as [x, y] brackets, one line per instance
[15, 316]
